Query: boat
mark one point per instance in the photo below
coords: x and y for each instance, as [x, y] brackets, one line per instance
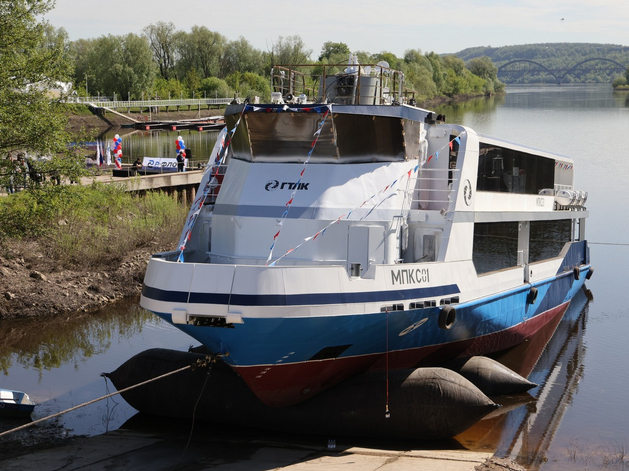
[341, 229]
[15, 404]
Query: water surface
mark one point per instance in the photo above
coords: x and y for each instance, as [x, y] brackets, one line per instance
[588, 412]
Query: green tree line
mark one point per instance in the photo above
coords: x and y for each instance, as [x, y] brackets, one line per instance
[165, 62]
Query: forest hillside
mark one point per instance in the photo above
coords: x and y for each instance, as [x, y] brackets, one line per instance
[556, 56]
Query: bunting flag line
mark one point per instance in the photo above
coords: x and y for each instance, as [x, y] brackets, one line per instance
[390, 186]
[224, 140]
[317, 134]
[563, 166]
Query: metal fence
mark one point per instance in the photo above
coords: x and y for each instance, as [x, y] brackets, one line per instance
[105, 102]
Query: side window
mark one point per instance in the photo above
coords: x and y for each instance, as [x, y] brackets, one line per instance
[548, 239]
[495, 246]
[507, 170]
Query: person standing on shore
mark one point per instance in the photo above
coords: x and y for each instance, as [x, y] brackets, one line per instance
[181, 154]
[10, 175]
[21, 172]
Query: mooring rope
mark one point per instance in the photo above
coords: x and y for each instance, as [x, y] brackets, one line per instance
[194, 410]
[387, 413]
[199, 363]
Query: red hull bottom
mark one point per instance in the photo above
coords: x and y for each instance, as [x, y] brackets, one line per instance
[287, 384]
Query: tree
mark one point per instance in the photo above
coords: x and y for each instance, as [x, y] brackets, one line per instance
[620, 82]
[80, 52]
[438, 74]
[192, 82]
[202, 50]
[32, 109]
[31, 117]
[241, 56]
[214, 87]
[161, 39]
[483, 67]
[418, 71]
[387, 57]
[288, 51]
[120, 64]
[249, 85]
[171, 88]
[331, 49]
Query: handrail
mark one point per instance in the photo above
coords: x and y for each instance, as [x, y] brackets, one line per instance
[100, 102]
[415, 187]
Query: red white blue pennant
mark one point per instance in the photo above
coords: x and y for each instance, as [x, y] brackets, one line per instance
[288, 205]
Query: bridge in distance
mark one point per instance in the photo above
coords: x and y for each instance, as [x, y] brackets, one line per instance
[519, 67]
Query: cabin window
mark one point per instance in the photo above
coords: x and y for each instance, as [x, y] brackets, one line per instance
[288, 137]
[495, 246]
[367, 138]
[507, 170]
[548, 238]
[392, 307]
[283, 136]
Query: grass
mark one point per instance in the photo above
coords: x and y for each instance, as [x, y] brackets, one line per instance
[89, 226]
[608, 455]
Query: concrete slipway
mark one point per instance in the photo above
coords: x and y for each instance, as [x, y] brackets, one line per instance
[139, 450]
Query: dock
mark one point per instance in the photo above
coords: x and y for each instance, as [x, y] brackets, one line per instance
[182, 185]
[223, 450]
[200, 124]
[101, 105]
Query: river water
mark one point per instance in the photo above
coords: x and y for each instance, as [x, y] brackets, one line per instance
[578, 416]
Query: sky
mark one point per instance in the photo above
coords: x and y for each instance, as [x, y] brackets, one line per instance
[364, 25]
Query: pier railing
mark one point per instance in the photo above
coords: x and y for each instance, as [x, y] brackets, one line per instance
[101, 102]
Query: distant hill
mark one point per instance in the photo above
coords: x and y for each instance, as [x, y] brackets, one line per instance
[555, 56]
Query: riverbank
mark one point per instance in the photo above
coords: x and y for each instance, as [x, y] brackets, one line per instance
[31, 285]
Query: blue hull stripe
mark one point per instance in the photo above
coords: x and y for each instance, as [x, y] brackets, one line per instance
[305, 299]
[269, 341]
